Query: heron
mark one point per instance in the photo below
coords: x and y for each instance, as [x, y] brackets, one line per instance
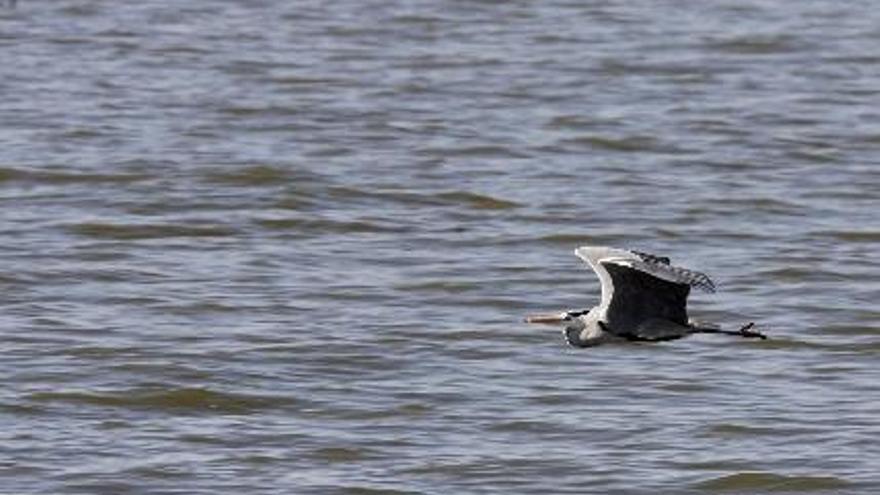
[644, 299]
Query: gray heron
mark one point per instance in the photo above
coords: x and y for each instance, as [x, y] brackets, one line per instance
[644, 299]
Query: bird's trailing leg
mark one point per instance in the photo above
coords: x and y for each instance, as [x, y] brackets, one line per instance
[744, 331]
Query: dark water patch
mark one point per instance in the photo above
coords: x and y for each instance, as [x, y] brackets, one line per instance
[494, 302]
[205, 439]
[59, 177]
[101, 352]
[575, 240]
[441, 63]
[476, 201]
[735, 236]
[731, 430]
[101, 252]
[367, 490]
[165, 369]
[175, 205]
[70, 40]
[667, 233]
[379, 195]
[572, 240]
[76, 483]
[858, 236]
[685, 387]
[843, 192]
[250, 68]
[353, 294]
[17, 279]
[484, 151]
[527, 426]
[779, 342]
[463, 335]
[719, 166]
[833, 371]
[176, 49]
[341, 454]
[326, 226]
[472, 200]
[686, 74]
[81, 10]
[330, 152]
[199, 308]
[115, 275]
[556, 399]
[303, 81]
[797, 274]
[261, 112]
[192, 400]
[114, 231]
[258, 175]
[365, 412]
[762, 204]
[869, 328]
[296, 202]
[480, 355]
[84, 133]
[501, 468]
[757, 45]
[711, 465]
[21, 409]
[813, 156]
[415, 409]
[556, 39]
[469, 199]
[868, 138]
[347, 362]
[419, 20]
[19, 467]
[751, 481]
[868, 348]
[439, 286]
[628, 144]
[159, 471]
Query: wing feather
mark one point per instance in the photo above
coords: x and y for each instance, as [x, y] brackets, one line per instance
[658, 266]
[666, 272]
[594, 256]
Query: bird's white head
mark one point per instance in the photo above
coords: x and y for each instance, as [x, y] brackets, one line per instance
[573, 324]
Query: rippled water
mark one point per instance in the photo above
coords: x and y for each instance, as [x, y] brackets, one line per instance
[286, 247]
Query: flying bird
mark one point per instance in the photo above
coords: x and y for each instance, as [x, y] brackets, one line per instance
[644, 298]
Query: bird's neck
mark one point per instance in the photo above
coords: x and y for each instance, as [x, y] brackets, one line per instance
[588, 336]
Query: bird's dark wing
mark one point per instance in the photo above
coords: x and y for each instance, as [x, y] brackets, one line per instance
[638, 296]
[659, 267]
[638, 288]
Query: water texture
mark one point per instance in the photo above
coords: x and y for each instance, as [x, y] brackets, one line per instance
[286, 247]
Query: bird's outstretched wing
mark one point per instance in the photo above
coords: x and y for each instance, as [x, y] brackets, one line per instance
[637, 287]
[658, 266]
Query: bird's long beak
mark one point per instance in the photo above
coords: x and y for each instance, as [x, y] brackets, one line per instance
[545, 319]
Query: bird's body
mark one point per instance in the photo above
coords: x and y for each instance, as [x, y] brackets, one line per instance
[644, 298]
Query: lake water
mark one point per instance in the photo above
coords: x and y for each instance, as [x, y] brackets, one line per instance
[286, 247]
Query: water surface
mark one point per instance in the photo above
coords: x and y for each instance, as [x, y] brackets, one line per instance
[286, 247]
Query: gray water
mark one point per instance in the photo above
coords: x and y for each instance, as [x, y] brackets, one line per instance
[286, 247]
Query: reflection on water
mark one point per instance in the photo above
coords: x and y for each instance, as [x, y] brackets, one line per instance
[289, 246]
